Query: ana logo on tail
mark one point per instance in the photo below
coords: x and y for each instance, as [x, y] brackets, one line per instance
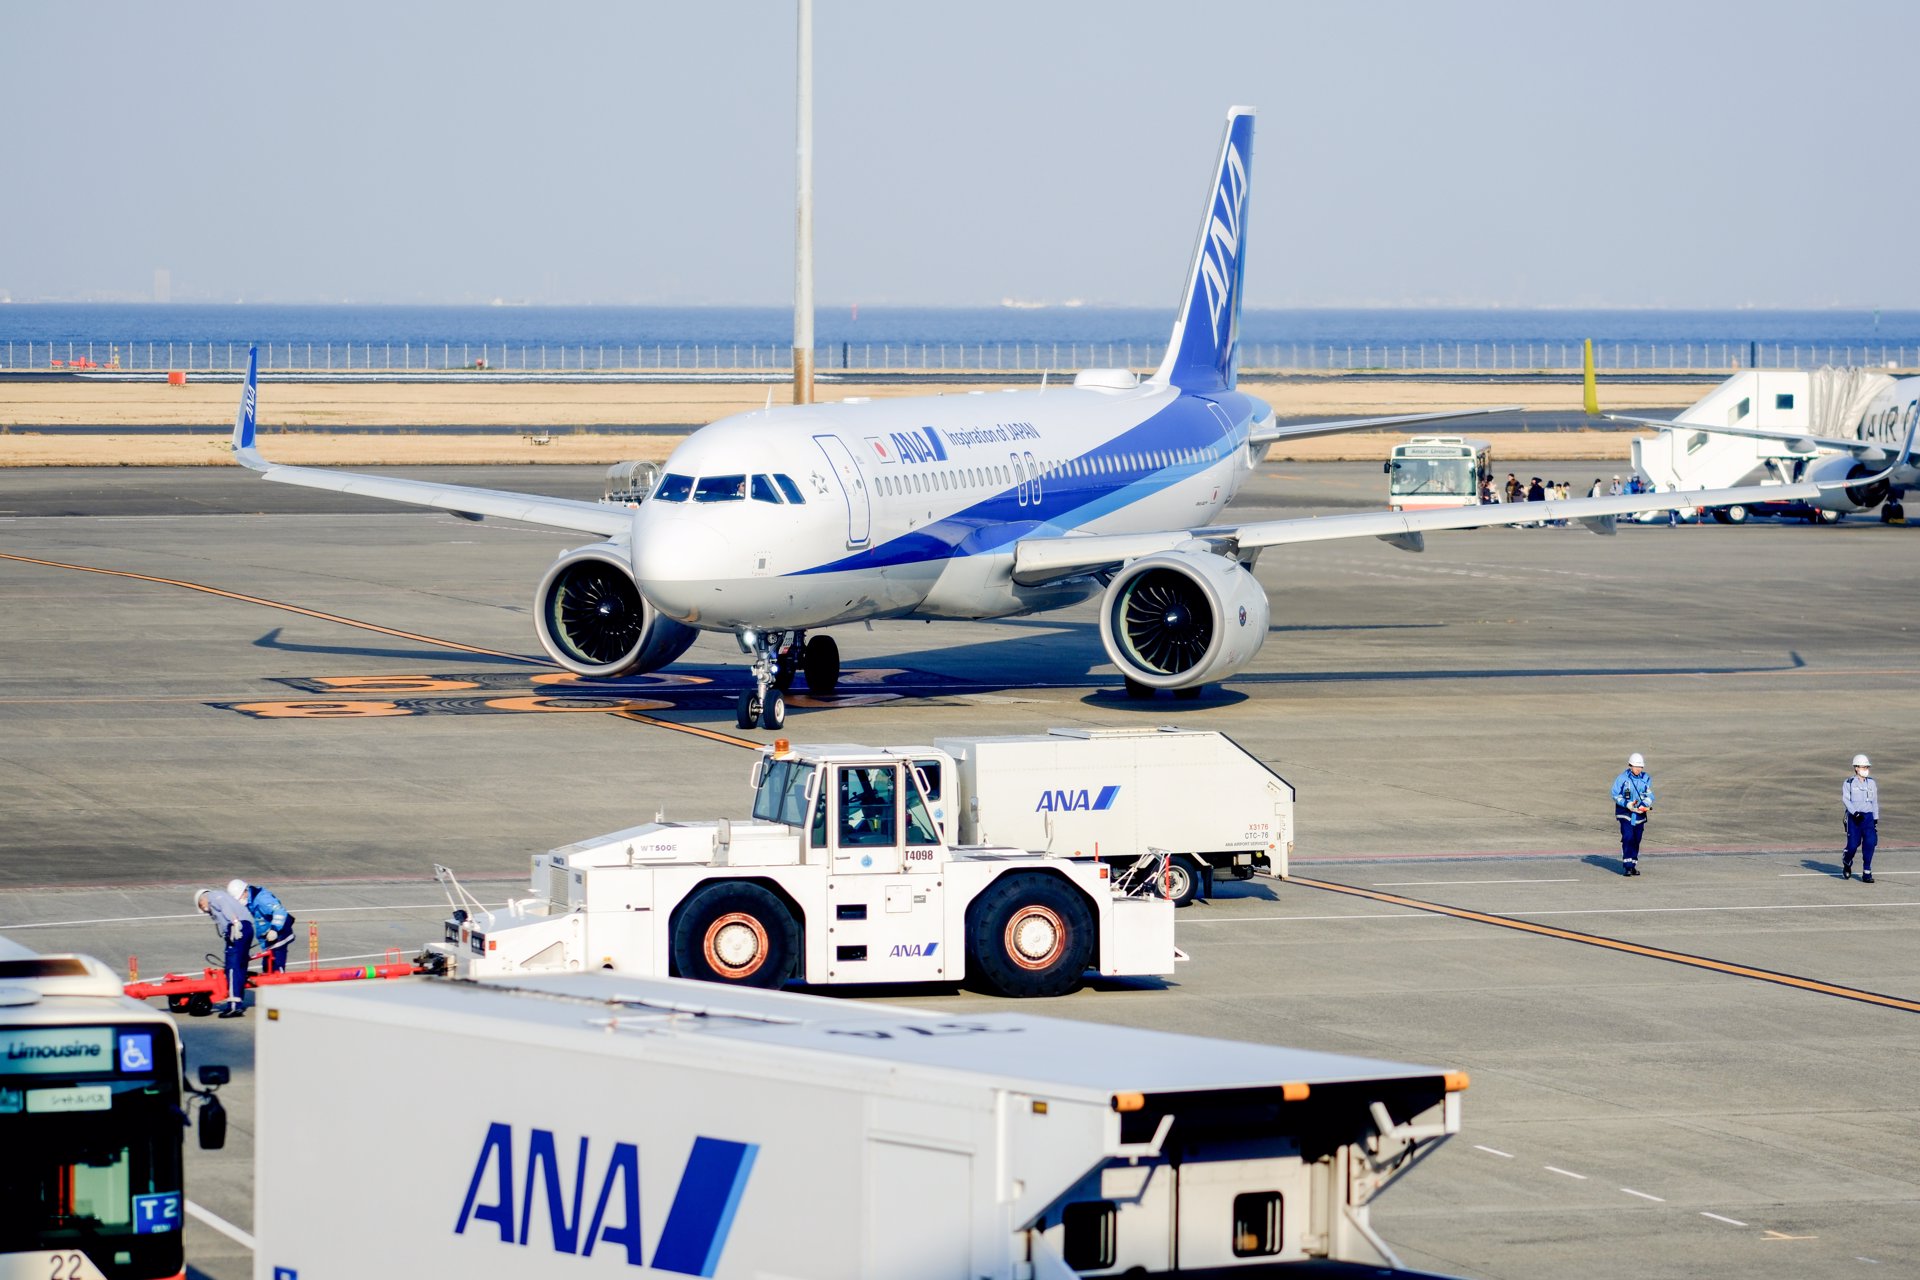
[1223, 237]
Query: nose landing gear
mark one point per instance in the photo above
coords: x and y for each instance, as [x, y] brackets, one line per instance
[774, 665]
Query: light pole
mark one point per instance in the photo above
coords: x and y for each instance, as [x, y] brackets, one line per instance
[803, 216]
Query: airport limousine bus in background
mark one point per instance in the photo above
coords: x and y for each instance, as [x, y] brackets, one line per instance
[1437, 471]
[92, 1119]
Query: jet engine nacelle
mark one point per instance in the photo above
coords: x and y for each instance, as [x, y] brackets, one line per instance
[593, 620]
[1855, 497]
[1181, 618]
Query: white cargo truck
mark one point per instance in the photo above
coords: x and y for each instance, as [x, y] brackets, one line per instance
[1118, 793]
[577, 1124]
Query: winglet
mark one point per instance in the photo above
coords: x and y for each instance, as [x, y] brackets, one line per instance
[1204, 353]
[243, 422]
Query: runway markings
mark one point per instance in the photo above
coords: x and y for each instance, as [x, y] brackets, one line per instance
[220, 1224]
[1643, 1195]
[1408, 884]
[1732, 1222]
[1490, 1151]
[1565, 1173]
[1627, 948]
[696, 730]
[278, 604]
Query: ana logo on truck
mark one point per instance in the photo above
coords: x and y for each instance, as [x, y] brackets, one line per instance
[605, 1196]
[1069, 801]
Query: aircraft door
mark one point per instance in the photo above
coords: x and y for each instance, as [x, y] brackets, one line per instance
[1033, 480]
[1019, 477]
[853, 488]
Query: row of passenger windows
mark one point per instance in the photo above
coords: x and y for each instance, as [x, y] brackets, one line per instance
[774, 488]
[1099, 465]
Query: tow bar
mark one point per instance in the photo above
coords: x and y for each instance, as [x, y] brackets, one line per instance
[197, 994]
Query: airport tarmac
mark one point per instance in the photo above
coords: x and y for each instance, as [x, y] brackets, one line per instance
[1700, 1072]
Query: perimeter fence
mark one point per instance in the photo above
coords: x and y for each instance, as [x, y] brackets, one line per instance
[1710, 359]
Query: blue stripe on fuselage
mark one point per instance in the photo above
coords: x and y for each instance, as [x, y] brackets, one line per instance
[1068, 501]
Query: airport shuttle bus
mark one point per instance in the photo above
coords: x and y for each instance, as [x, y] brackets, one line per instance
[1438, 471]
[91, 1124]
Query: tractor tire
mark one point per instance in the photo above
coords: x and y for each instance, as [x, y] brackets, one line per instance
[735, 933]
[1029, 935]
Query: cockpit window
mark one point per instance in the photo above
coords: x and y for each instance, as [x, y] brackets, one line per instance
[720, 489]
[788, 487]
[763, 490]
[672, 488]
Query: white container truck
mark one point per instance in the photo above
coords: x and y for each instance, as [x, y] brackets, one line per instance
[1117, 793]
[597, 1123]
[872, 865]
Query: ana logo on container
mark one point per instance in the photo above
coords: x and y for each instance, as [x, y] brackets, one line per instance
[1069, 801]
[594, 1201]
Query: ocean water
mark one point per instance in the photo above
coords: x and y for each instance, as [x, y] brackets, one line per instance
[906, 339]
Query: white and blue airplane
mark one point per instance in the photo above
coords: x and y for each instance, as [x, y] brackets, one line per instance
[784, 521]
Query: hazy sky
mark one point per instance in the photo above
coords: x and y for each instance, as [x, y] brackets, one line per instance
[1627, 154]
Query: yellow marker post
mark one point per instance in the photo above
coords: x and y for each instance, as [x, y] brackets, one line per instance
[1592, 398]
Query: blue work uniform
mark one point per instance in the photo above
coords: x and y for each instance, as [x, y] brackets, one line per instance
[235, 925]
[273, 925]
[1629, 789]
[1861, 799]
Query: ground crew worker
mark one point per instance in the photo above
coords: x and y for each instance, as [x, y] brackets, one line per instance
[1632, 802]
[272, 923]
[1860, 796]
[236, 931]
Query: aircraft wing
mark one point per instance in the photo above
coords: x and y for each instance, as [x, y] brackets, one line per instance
[1038, 560]
[1269, 432]
[1798, 441]
[557, 513]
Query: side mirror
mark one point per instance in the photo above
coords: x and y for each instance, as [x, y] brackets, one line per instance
[214, 1077]
[213, 1121]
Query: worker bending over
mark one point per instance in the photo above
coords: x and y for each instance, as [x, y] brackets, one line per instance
[272, 923]
[235, 926]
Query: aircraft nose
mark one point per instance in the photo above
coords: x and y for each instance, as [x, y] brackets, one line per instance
[680, 559]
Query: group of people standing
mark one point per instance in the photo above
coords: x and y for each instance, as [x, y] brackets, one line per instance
[242, 912]
[1859, 804]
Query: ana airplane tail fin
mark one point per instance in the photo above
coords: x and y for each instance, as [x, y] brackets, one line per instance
[1203, 353]
[243, 421]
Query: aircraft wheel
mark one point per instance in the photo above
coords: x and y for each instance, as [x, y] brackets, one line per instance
[737, 933]
[821, 664]
[783, 671]
[773, 712]
[1030, 935]
[1137, 691]
[1183, 880]
[1828, 517]
[746, 712]
[1736, 515]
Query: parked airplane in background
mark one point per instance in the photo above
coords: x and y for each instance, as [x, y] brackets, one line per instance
[1838, 428]
[783, 521]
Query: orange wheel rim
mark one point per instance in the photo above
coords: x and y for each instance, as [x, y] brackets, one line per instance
[736, 945]
[1035, 937]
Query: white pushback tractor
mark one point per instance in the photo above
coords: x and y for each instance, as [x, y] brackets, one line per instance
[655, 1127]
[872, 865]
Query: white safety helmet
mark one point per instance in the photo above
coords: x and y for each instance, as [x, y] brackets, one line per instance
[1861, 762]
[1637, 761]
[237, 890]
[200, 899]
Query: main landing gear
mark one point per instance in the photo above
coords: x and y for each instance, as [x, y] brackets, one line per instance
[775, 663]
